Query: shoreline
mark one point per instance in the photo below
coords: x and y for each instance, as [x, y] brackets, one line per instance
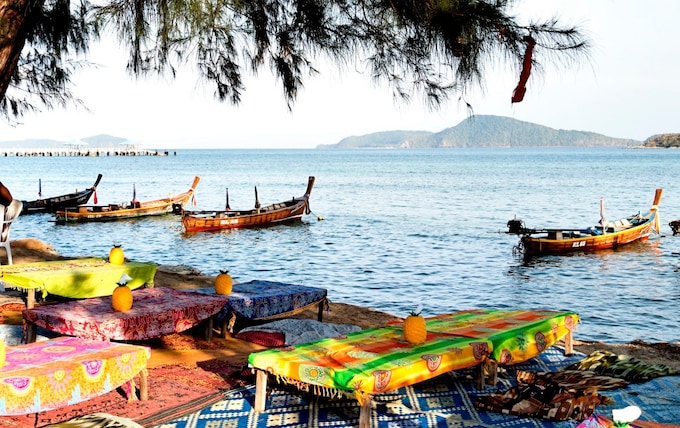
[184, 277]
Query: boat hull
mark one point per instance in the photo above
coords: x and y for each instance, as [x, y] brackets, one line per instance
[102, 213]
[56, 203]
[537, 246]
[608, 235]
[279, 213]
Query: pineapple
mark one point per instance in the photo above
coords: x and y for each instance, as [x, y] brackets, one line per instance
[415, 331]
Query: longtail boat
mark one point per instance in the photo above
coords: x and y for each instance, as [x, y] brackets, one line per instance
[282, 212]
[604, 235]
[133, 209]
[55, 203]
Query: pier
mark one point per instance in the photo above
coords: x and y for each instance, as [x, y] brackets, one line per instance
[82, 151]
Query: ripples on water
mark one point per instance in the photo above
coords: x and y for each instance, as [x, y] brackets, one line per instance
[400, 227]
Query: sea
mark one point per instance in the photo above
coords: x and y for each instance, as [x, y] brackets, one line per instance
[393, 230]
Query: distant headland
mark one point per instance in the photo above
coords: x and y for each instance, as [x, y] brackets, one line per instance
[496, 131]
[475, 131]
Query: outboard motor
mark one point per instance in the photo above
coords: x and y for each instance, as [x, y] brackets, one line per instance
[516, 226]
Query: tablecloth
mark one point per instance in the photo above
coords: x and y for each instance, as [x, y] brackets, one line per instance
[516, 335]
[370, 361]
[63, 371]
[380, 360]
[155, 312]
[76, 278]
[259, 299]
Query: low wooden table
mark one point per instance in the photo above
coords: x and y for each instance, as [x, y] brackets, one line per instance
[155, 312]
[259, 300]
[74, 278]
[59, 372]
[379, 360]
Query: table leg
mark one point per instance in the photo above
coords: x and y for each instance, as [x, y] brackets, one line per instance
[322, 304]
[569, 343]
[208, 329]
[30, 298]
[260, 390]
[491, 372]
[480, 376]
[365, 412]
[30, 330]
[144, 384]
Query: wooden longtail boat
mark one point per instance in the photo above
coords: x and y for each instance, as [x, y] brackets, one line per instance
[604, 235]
[134, 209]
[282, 212]
[55, 203]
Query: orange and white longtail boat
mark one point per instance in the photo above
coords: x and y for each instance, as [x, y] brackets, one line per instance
[604, 235]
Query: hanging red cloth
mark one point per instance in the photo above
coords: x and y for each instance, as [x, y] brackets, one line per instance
[95, 197]
[518, 93]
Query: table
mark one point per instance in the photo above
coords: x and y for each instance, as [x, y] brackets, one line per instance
[264, 300]
[379, 360]
[74, 278]
[155, 312]
[516, 335]
[59, 372]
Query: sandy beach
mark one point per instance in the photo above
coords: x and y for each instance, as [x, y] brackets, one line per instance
[182, 277]
[192, 355]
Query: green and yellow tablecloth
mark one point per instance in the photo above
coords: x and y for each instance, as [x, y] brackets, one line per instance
[380, 360]
[75, 278]
[515, 335]
[370, 361]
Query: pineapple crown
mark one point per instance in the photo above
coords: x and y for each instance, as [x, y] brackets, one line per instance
[417, 311]
[124, 278]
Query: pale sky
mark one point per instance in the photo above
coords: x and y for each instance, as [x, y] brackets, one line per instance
[629, 89]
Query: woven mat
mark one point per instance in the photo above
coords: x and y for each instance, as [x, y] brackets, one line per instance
[174, 390]
[441, 402]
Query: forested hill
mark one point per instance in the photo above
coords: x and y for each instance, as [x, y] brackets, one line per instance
[483, 131]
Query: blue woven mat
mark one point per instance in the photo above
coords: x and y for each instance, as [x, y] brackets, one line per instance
[445, 401]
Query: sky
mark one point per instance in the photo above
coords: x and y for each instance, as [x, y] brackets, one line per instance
[628, 88]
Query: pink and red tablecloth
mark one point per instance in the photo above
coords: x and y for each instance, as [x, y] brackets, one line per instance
[63, 371]
[155, 312]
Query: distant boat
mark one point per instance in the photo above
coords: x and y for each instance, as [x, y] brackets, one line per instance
[604, 235]
[133, 209]
[675, 226]
[55, 203]
[282, 212]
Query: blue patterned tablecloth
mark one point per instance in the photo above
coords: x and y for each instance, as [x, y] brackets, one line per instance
[266, 299]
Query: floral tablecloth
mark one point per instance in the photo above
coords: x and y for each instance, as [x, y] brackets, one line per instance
[267, 299]
[75, 278]
[63, 371]
[155, 312]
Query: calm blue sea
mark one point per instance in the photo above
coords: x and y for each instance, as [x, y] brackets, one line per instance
[399, 228]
